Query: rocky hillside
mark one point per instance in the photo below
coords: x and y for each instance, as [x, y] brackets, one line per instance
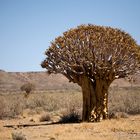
[12, 81]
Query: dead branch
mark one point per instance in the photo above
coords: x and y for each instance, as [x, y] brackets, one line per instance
[29, 125]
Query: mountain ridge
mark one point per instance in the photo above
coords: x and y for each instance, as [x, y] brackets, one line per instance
[12, 81]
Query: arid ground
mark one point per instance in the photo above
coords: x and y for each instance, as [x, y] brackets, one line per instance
[38, 116]
[114, 129]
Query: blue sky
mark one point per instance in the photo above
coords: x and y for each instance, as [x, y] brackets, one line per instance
[28, 26]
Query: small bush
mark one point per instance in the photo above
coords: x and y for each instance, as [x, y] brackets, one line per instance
[18, 136]
[28, 87]
[10, 107]
[118, 115]
[45, 117]
[2, 111]
[71, 116]
[124, 100]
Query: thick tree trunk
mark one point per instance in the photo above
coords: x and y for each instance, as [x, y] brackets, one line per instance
[95, 99]
[89, 99]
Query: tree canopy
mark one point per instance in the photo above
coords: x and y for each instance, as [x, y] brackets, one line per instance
[95, 51]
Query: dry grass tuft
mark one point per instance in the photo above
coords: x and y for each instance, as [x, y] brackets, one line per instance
[10, 106]
[118, 115]
[70, 116]
[18, 136]
[45, 117]
[2, 111]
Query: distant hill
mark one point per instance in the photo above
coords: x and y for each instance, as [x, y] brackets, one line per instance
[12, 81]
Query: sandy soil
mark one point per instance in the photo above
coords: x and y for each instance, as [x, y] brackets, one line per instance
[114, 129]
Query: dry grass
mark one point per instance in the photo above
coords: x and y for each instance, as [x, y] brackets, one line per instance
[118, 115]
[45, 117]
[120, 129]
[120, 100]
[10, 106]
[124, 100]
[71, 115]
[18, 136]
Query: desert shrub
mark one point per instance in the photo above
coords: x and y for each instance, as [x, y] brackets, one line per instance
[55, 101]
[15, 106]
[70, 116]
[120, 100]
[124, 100]
[45, 117]
[10, 107]
[118, 115]
[18, 136]
[27, 87]
[2, 108]
[36, 100]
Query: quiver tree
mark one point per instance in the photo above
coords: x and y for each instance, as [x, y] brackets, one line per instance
[93, 56]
